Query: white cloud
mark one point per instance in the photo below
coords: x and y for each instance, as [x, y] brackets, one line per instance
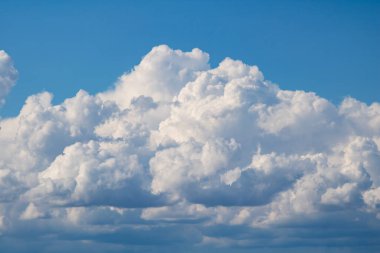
[8, 75]
[161, 74]
[183, 152]
[231, 176]
[372, 197]
[31, 212]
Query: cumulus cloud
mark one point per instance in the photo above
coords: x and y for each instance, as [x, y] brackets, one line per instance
[179, 153]
[8, 75]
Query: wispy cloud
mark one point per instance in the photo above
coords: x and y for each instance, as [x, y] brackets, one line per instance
[8, 75]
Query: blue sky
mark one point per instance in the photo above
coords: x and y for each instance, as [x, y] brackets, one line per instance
[158, 126]
[329, 47]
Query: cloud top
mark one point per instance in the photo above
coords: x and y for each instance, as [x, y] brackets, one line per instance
[178, 153]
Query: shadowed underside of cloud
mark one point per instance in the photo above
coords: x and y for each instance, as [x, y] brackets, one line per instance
[182, 157]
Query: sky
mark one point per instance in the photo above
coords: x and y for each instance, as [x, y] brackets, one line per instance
[189, 126]
[329, 47]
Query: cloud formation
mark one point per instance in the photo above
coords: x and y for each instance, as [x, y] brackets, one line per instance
[8, 75]
[181, 156]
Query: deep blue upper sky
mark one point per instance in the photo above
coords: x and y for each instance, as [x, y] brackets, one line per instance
[330, 47]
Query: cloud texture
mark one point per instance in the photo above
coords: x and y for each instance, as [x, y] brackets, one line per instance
[181, 156]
